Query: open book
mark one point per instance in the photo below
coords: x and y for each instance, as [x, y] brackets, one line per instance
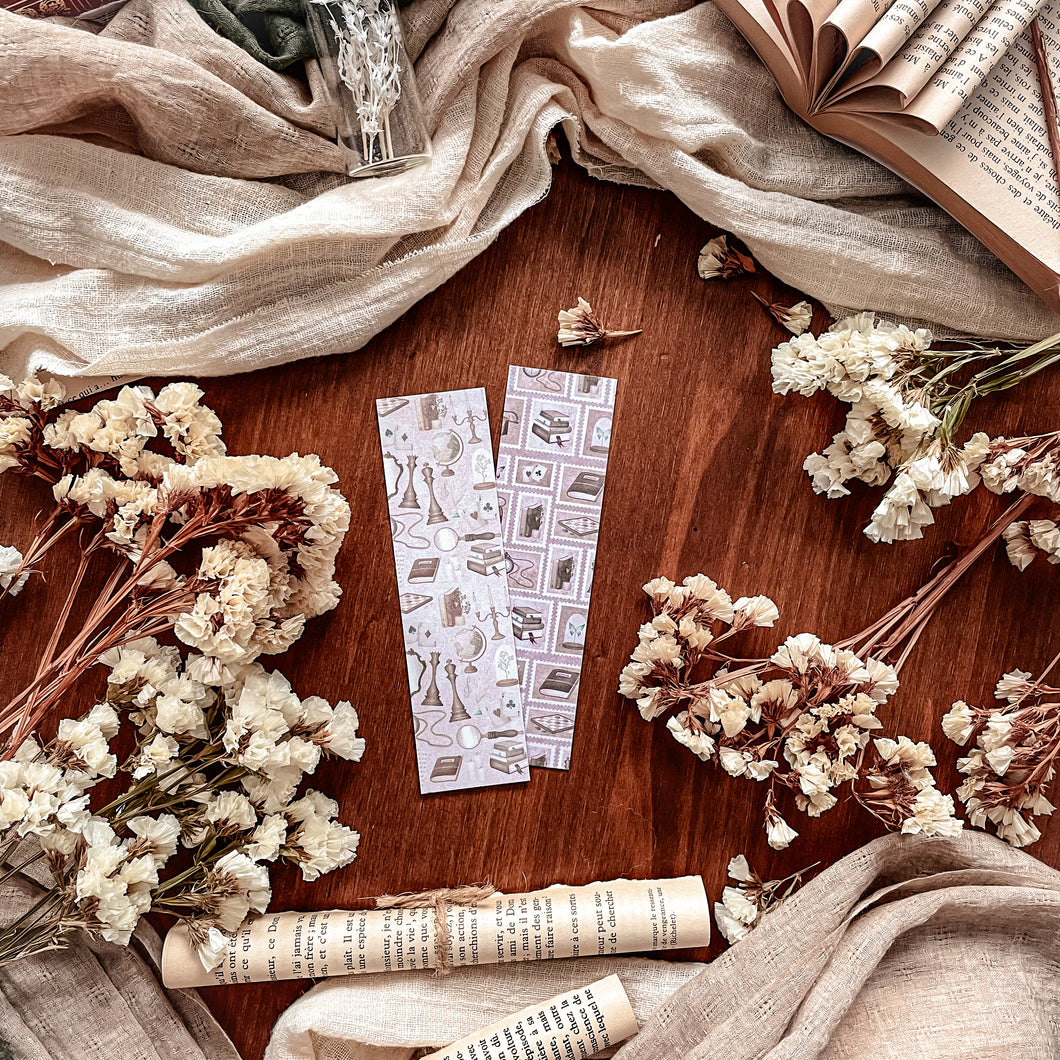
[944, 92]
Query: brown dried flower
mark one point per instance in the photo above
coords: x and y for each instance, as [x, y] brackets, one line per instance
[718, 259]
[580, 326]
[796, 318]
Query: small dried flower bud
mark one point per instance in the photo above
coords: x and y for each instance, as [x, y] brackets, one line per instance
[580, 326]
[718, 259]
[796, 318]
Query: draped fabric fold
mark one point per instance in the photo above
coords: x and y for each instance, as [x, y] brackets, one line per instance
[99, 1001]
[907, 949]
[168, 205]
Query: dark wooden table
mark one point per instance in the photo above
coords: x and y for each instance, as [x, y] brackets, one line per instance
[705, 475]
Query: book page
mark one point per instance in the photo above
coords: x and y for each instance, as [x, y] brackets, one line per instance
[911, 67]
[842, 33]
[601, 919]
[580, 1023]
[882, 42]
[972, 62]
[991, 166]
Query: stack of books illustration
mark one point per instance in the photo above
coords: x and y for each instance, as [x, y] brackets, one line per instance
[508, 756]
[551, 426]
[486, 558]
[526, 621]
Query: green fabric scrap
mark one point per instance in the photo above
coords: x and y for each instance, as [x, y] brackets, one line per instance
[284, 26]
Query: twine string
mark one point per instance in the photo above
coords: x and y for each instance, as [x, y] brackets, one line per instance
[439, 900]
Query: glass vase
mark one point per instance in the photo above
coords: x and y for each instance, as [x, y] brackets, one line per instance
[378, 115]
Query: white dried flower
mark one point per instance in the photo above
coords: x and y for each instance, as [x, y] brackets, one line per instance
[10, 562]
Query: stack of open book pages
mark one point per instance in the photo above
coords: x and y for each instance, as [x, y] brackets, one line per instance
[944, 92]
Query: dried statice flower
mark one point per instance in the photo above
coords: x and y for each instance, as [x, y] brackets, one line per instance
[260, 533]
[744, 903]
[796, 318]
[219, 753]
[1010, 768]
[12, 571]
[718, 259]
[580, 326]
[800, 720]
[905, 411]
[1025, 540]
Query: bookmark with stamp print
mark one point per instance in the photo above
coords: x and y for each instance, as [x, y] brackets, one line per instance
[551, 466]
[452, 590]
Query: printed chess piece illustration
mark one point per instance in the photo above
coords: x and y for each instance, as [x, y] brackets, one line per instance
[447, 448]
[459, 711]
[509, 419]
[431, 697]
[469, 421]
[435, 513]
[409, 500]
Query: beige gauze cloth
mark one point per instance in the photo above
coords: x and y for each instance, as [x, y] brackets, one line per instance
[168, 205]
[98, 1001]
[907, 949]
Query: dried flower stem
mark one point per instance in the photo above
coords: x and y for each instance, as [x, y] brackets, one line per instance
[1045, 80]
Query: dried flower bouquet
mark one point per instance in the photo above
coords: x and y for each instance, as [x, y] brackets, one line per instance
[908, 403]
[802, 720]
[233, 555]
[1013, 761]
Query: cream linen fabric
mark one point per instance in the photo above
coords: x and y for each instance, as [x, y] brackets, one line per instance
[169, 206]
[907, 949]
[99, 1001]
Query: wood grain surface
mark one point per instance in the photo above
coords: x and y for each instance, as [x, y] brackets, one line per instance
[704, 475]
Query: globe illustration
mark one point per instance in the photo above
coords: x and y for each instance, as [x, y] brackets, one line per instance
[447, 448]
[470, 643]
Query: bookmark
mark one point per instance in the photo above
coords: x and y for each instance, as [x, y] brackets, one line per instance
[551, 465]
[456, 616]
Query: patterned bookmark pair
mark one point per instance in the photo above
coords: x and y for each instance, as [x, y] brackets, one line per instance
[494, 567]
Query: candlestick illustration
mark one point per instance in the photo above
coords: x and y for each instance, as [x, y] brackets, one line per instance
[435, 513]
[494, 615]
[409, 499]
[469, 421]
[431, 697]
[459, 711]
